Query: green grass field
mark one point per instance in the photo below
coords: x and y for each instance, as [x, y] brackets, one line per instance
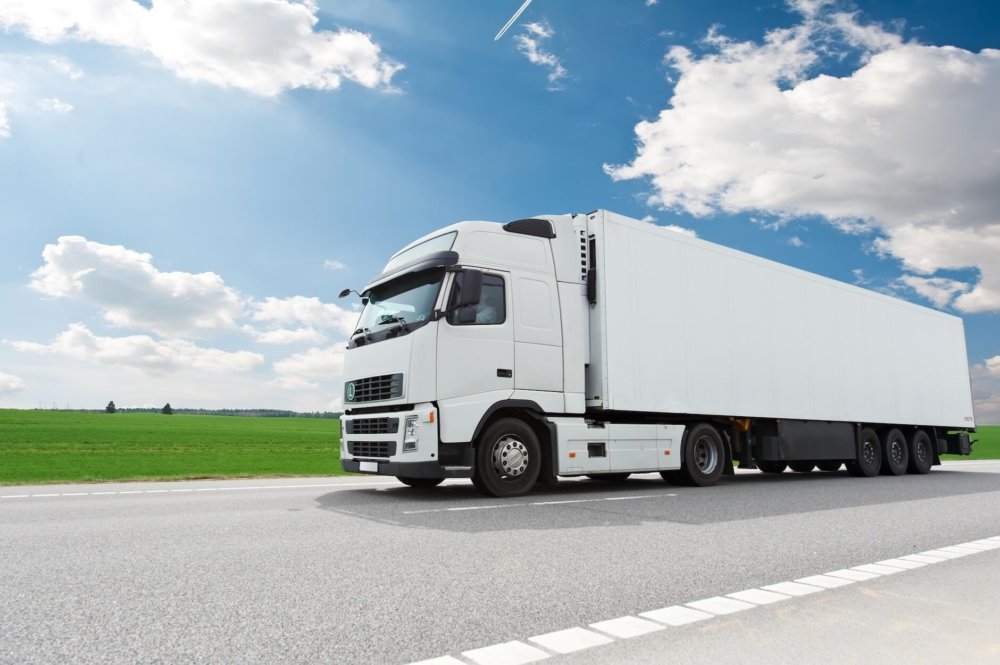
[54, 446]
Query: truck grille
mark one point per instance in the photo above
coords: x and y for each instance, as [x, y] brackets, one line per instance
[371, 448]
[374, 388]
[372, 426]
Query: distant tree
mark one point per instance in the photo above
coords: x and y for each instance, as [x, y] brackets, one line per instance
[110, 408]
[167, 410]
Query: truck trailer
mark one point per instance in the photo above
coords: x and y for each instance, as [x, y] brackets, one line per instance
[597, 345]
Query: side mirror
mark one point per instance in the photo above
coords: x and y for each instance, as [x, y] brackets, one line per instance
[472, 288]
[345, 293]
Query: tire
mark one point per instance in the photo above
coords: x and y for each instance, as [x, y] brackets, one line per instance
[420, 482]
[828, 465]
[895, 453]
[870, 455]
[771, 467]
[921, 452]
[672, 477]
[801, 467]
[508, 458]
[704, 456]
[609, 477]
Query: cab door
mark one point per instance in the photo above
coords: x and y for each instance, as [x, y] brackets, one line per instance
[476, 343]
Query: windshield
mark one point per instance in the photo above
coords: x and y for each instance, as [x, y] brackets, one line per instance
[404, 301]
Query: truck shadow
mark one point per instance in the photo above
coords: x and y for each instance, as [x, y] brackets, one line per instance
[574, 504]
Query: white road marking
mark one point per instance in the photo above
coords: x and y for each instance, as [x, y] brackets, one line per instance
[853, 575]
[901, 563]
[493, 506]
[442, 660]
[720, 605]
[943, 554]
[508, 653]
[570, 640]
[975, 546]
[197, 489]
[880, 569]
[923, 558]
[758, 596]
[626, 627]
[676, 615]
[825, 581]
[792, 588]
[955, 549]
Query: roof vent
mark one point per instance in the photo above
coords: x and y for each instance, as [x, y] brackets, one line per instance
[541, 228]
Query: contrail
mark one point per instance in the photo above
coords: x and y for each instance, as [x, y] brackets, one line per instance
[512, 19]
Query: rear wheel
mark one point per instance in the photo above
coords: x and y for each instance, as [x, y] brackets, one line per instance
[771, 467]
[420, 482]
[895, 454]
[869, 455]
[508, 458]
[921, 452]
[828, 466]
[609, 477]
[703, 456]
[802, 467]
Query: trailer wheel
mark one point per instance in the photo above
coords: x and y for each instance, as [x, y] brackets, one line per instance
[869, 456]
[770, 467]
[703, 456]
[609, 477]
[508, 458]
[895, 455]
[802, 467]
[921, 452]
[420, 482]
[828, 466]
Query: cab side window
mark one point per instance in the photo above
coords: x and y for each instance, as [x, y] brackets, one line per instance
[492, 307]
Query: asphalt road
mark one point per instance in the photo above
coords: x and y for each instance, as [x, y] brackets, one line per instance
[363, 570]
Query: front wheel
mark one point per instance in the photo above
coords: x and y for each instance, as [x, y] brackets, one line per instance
[508, 458]
[420, 482]
[703, 456]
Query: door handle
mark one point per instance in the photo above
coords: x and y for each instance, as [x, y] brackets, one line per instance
[505, 373]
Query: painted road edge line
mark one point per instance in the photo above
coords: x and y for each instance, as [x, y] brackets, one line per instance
[569, 640]
[49, 495]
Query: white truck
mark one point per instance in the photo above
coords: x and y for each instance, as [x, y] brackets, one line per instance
[598, 345]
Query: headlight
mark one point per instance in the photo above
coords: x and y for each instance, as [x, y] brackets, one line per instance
[410, 433]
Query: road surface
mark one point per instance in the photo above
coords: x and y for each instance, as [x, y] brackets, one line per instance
[364, 570]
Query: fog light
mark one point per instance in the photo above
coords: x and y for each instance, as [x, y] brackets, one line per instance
[410, 434]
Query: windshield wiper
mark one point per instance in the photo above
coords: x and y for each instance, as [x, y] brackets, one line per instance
[395, 319]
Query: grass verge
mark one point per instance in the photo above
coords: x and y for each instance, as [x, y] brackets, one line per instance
[53, 446]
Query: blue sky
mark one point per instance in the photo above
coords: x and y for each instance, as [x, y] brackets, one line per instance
[184, 190]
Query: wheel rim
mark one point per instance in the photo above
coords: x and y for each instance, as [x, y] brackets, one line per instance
[898, 452]
[868, 452]
[706, 457]
[923, 451]
[510, 457]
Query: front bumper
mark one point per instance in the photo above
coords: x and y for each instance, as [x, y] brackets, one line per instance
[378, 443]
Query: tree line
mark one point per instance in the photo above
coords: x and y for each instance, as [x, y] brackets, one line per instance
[247, 413]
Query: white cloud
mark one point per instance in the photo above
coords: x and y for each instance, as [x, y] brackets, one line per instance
[285, 335]
[680, 229]
[307, 312]
[796, 241]
[10, 384]
[333, 264]
[142, 352]
[985, 379]
[261, 46]
[132, 292]
[650, 3]
[939, 290]
[993, 366]
[54, 105]
[901, 146]
[306, 369]
[529, 43]
[4, 123]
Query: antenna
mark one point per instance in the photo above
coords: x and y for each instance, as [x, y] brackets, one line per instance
[512, 19]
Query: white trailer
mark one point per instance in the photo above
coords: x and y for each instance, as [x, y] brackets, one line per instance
[600, 345]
